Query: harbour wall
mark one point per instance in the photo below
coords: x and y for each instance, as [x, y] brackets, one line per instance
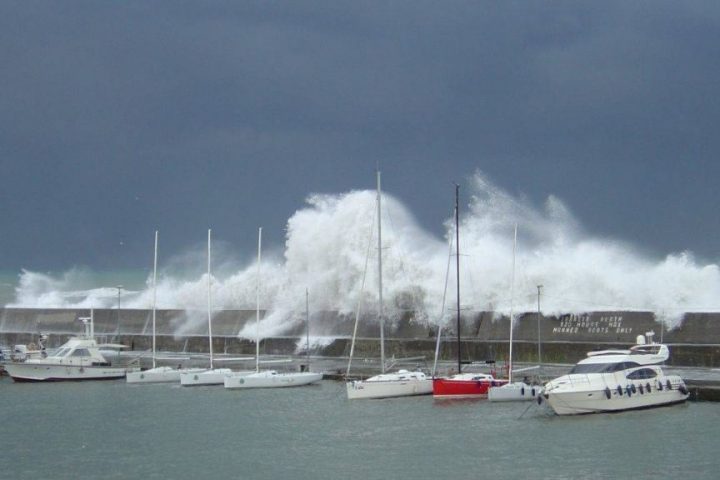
[485, 335]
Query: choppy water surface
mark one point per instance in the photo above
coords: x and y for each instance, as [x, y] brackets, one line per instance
[115, 430]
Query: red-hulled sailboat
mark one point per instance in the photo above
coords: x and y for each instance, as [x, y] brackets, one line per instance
[462, 385]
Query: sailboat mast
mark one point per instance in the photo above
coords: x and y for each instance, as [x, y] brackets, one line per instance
[154, 298]
[380, 298]
[457, 268]
[257, 305]
[209, 301]
[512, 299]
[307, 328]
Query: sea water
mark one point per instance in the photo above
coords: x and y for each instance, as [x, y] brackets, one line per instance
[112, 430]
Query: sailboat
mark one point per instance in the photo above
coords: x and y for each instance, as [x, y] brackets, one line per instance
[397, 384]
[513, 391]
[469, 384]
[211, 376]
[267, 378]
[164, 374]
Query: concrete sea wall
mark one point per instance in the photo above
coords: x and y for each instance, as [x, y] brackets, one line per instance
[563, 338]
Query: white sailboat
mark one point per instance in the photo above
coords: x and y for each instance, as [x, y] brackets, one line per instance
[267, 378]
[513, 391]
[386, 385]
[211, 376]
[163, 374]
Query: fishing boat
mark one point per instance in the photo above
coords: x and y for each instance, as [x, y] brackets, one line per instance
[157, 374]
[395, 384]
[78, 359]
[617, 380]
[462, 384]
[269, 378]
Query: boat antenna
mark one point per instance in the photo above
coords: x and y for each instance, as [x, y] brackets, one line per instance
[457, 268]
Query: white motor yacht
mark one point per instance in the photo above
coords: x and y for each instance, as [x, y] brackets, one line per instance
[616, 380]
[78, 359]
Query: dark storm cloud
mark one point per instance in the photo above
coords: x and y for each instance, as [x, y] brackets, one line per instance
[119, 118]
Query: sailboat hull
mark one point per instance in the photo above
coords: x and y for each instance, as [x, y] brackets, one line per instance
[460, 388]
[160, 375]
[271, 379]
[514, 392]
[388, 389]
[215, 376]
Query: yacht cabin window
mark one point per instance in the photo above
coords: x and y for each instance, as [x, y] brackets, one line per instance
[81, 352]
[603, 367]
[642, 373]
[62, 352]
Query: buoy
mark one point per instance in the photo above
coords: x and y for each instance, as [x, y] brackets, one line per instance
[682, 389]
[641, 389]
[669, 385]
[632, 387]
[619, 391]
[660, 386]
[629, 391]
[522, 391]
[647, 387]
[607, 393]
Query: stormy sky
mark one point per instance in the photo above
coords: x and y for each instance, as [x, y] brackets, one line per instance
[119, 118]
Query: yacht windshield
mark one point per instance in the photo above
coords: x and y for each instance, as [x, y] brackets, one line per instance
[602, 367]
[62, 352]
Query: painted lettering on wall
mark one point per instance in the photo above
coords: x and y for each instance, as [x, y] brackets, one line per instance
[574, 324]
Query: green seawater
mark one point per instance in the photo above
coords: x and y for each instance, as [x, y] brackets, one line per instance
[111, 430]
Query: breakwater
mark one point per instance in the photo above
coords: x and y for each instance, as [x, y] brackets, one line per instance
[562, 338]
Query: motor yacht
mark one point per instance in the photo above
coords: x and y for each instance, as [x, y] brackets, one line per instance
[616, 380]
[79, 358]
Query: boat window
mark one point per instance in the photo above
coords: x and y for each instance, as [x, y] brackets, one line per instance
[81, 352]
[62, 352]
[602, 367]
[642, 373]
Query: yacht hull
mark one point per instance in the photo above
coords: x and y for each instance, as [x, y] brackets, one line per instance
[389, 388]
[607, 400]
[269, 380]
[514, 392]
[26, 372]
